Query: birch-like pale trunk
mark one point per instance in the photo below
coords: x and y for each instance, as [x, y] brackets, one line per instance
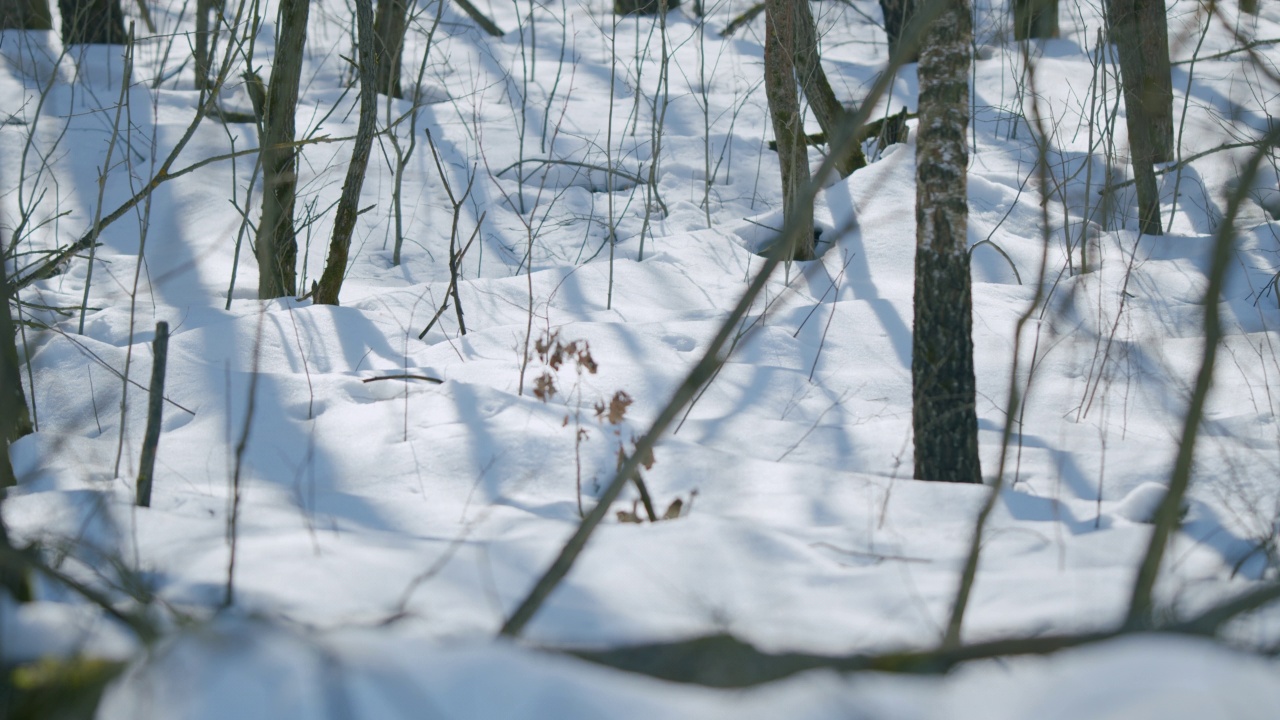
[942, 377]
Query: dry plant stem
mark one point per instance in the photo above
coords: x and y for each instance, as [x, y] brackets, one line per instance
[89, 239]
[403, 156]
[155, 412]
[711, 359]
[660, 99]
[610, 236]
[144, 228]
[970, 569]
[233, 513]
[49, 268]
[452, 291]
[1167, 519]
[344, 223]
[125, 72]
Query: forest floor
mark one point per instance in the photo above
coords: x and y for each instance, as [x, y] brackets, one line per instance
[385, 528]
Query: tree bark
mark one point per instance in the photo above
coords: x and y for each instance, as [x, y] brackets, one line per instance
[349, 203]
[1148, 97]
[92, 22]
[942, 377]
[25, 15]
[277, 246]
[388, 28]
[1035, 19]
[788, 121]
[201, 50]
[897, 14]
[817, 88]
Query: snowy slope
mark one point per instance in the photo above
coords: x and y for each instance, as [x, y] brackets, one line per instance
[386, 528]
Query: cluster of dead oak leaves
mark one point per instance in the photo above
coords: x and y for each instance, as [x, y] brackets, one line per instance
[555, 353]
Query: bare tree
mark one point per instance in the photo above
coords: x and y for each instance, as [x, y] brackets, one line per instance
[389, 26]
[1035, 19]
[92, 22]
[817, 88]
[1141, 36]
[942, 378]
[897, 14]
[25, 15]
[277, 239]
[788, 121]
[349, 204]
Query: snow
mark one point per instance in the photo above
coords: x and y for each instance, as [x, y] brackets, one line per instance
[385, 529]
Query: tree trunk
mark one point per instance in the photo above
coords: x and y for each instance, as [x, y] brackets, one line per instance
[349, 204]
[25, 15]
[1157, 82]
[788, 121]
[897, 14]
[1147, 99]
[817, 89]
[201, 51]
[277, 246]
[92, 22]
[942, 378]
[1035, 19]
[389, 27]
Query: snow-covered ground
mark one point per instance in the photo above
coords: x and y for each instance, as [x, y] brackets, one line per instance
[385, 529]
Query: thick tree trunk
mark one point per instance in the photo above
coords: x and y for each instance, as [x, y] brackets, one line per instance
[25, 15]
[92, 22]
[1157, 75]
[897, 13]
[349, 203]
[817, 89]
[277, 246]
[1035, 19]
[1148, 95]
[788, 121]
[389, 27]
[942, 377]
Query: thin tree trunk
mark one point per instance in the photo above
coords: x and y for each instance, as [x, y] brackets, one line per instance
[349, 204]
[942, 377]
[389, 26]
[1144, 108]
[788, 122]
[92, 22]
[1035, 19]
[25, 15]
[15, 418]
[817, 88]
[277, 246]
[201, 51]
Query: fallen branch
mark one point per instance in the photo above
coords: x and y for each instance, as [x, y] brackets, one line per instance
[574, 163]
[403, 376]
[724, 661]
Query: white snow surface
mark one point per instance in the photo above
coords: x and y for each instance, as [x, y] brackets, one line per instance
[385, 529]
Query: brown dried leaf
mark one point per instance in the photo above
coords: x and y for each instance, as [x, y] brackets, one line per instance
[618, 406]
[544, 387]
[673, 510]
[586, 361]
